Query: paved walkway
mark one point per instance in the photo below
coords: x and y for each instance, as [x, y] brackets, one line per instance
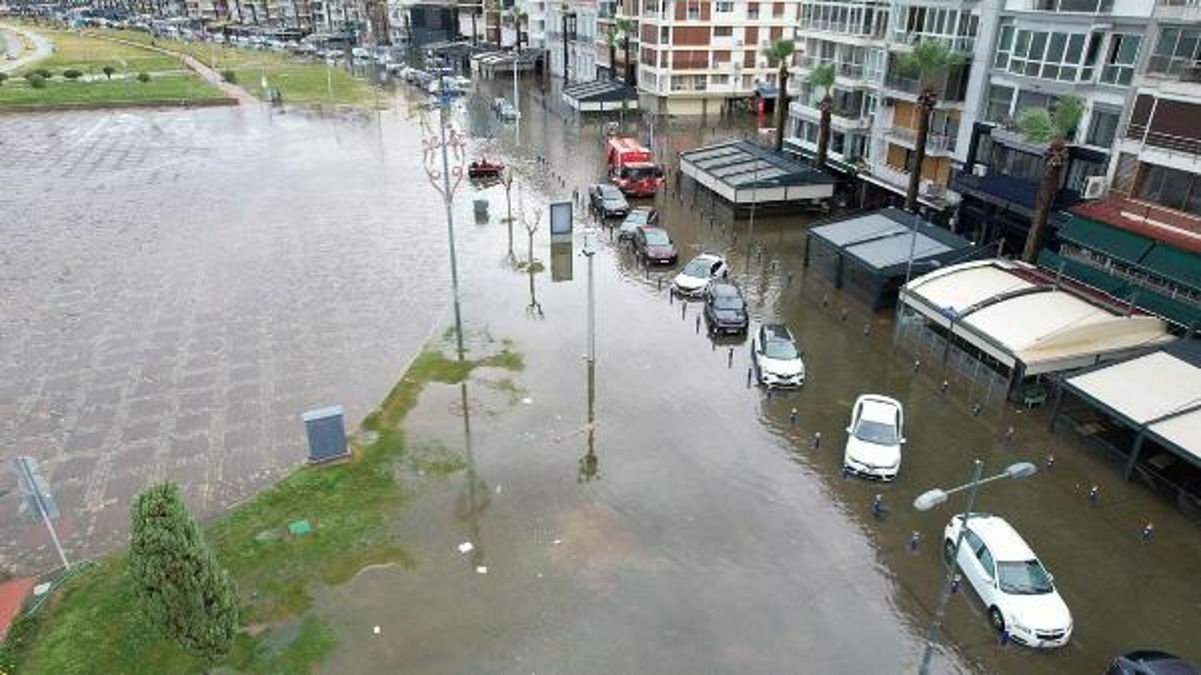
[41, 47]
[208, 74]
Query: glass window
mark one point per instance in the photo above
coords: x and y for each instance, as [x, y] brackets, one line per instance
[1119, 59]
[1038, 42]
[1024, 578]
[727, 6]
[1102, 128]
[985, 558]
[723, 31]
[1055, 47]
[1075, 46]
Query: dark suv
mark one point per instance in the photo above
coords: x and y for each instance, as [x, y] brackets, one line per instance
[725, 310]
[653, 245]
[608, 201]
[1149, 662]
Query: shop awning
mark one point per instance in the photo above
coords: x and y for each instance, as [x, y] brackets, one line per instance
[1117, 244]
[1172, 263]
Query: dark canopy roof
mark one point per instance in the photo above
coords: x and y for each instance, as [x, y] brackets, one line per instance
[881, 242]
[744, 165]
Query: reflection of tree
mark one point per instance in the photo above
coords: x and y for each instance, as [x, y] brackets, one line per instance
[534, 309]
[590, 463]
[476, 499]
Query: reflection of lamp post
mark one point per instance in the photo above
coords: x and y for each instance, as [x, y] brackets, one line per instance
[590, 251]
[450, 177]
[931, 498]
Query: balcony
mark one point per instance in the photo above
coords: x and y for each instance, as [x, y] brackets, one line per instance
[963, 44]
[841, 27]
[1175, 146]
[1071, 6]
[841, 120]
[1008, 192]
[908, 88]
[936, 143]
[852, 71]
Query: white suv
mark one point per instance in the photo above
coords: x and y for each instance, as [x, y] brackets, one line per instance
[1011, 581]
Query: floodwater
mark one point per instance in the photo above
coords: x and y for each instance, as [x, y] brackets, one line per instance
[695, 527]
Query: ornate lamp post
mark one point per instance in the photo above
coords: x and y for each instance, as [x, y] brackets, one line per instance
[443, 156]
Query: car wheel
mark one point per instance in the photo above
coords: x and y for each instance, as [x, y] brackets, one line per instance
[948, 552]
[996, 619]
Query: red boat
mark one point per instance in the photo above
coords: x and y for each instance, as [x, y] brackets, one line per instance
[482, 168]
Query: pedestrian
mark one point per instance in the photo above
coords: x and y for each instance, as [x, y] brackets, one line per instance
[913, 541]
[1094, 494]
[1050, 462]
[878, 506]
[1148, 532]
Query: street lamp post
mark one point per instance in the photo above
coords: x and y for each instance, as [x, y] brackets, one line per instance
[931, 498]
[446, 181]
[590, 252]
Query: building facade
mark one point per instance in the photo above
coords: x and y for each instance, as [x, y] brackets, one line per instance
[571, 39]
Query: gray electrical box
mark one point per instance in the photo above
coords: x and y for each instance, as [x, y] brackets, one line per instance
[327, 434]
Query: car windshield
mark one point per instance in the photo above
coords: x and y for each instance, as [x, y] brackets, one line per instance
[610, 193]
[780, 349]
[656, 238]
[1024, 578]
[876, 432]
[731, 301]
[637, 173]
[637, 218]
[698, 268]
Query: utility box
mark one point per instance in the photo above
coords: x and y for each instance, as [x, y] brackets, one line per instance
[327, 434]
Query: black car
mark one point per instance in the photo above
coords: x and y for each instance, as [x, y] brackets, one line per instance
[1149, 662]
[608, 200]
[653, 245]
[725, 310]
[639, 216]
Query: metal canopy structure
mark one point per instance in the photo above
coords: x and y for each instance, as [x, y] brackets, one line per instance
[873, 250]
[1026, 321]
[600, 96]
[491, 64]
[1157, 395]
[743, 173]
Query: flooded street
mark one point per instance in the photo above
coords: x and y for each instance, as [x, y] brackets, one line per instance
[187, 283]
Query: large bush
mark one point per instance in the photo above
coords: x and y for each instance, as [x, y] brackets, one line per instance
[186, 592]
[229, 76]
[36, 80]
[72, 74]
[143, 77]
[3, 77]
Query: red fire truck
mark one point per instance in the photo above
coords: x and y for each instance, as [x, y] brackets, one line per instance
[632, 168]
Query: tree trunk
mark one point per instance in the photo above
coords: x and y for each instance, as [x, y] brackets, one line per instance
[473, 29]
[823, 131]
[925, 106]
[781, 105]
[1057, 156]
[613, 60]
[566, 57]
[628, 66]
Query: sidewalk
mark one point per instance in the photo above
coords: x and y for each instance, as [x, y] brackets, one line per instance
[41, 48]
[208, 74]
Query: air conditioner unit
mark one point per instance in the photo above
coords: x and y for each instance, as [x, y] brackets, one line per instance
[979, 169]
[1094, 187]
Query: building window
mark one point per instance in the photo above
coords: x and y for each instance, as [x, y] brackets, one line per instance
[999, 100]
[719, 79]
[1046, 55]
[1102, 128]
[1172, 188]
[752, 12]
[1119, 59]
[724, 7]
[1177, 49]
[694, 12]
[723, 31]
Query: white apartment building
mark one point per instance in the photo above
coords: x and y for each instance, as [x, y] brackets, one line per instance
[696, 56]
[573, 24]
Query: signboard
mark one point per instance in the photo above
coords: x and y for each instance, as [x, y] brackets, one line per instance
[34, 489]
[560, 221]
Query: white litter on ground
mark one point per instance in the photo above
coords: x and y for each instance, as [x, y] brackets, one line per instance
[497, 489]
[466, 547]
[558, 541]
[41, 589]
[375, 630]
[482, 569]
[527, 400]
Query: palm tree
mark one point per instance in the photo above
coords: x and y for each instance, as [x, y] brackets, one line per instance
[1057, 127]
[474, 35]
[519, 17]
[929, 60]
[822, 77]
[780, 51]
[627, 28]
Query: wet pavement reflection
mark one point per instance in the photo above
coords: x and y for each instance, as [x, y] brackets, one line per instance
[657, 514]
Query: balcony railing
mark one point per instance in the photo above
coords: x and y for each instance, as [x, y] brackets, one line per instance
[1181, 145]
[841, 27]
[847, 118]
[935, 142]
[911, 86]
[1069, 6]
[850, 70]
[1178, 3]
[963, 44]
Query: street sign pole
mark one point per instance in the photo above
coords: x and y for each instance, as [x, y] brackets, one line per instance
[37, 494]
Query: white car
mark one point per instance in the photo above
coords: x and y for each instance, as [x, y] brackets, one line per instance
[696, 275]
[776, 357]
[1011, 581]
[875, 437]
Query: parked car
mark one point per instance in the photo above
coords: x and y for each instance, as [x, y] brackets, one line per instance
[776, 357]
[875, 437]
[608, 200]
[1151, 662]
[1011, 581]
[725, 310]
[638, 216]
[696, 275]
[653, 245]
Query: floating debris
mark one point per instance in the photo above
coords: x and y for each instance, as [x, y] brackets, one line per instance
[466, 547]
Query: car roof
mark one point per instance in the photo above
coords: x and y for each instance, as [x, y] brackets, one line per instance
[1002, 540]
[722, 287]
[648, 209]
[878, 408]
[777, 331]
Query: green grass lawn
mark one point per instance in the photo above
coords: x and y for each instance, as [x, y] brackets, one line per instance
[167, 87]
[299, 81]
[90, 55]
[96, 626]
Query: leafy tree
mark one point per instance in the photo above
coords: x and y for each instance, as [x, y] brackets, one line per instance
[520, 17]
[627, 28]
[780, 52]
[72, 74]
[822, 77]
[1040, 125]
[108, 72]
[143, 77]
[36, 80]
[929, 60]
[183, 588]
[229, 76]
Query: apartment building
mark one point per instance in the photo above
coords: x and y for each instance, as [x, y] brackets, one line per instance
[875, 113]
[608, 13]
[697, 56]
[535, 24]
[571, 39]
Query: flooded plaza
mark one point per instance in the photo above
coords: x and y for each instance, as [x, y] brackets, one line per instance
[181, 286]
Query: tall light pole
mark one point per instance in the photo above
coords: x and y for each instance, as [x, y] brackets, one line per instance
[446, 181]
[931, 498]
